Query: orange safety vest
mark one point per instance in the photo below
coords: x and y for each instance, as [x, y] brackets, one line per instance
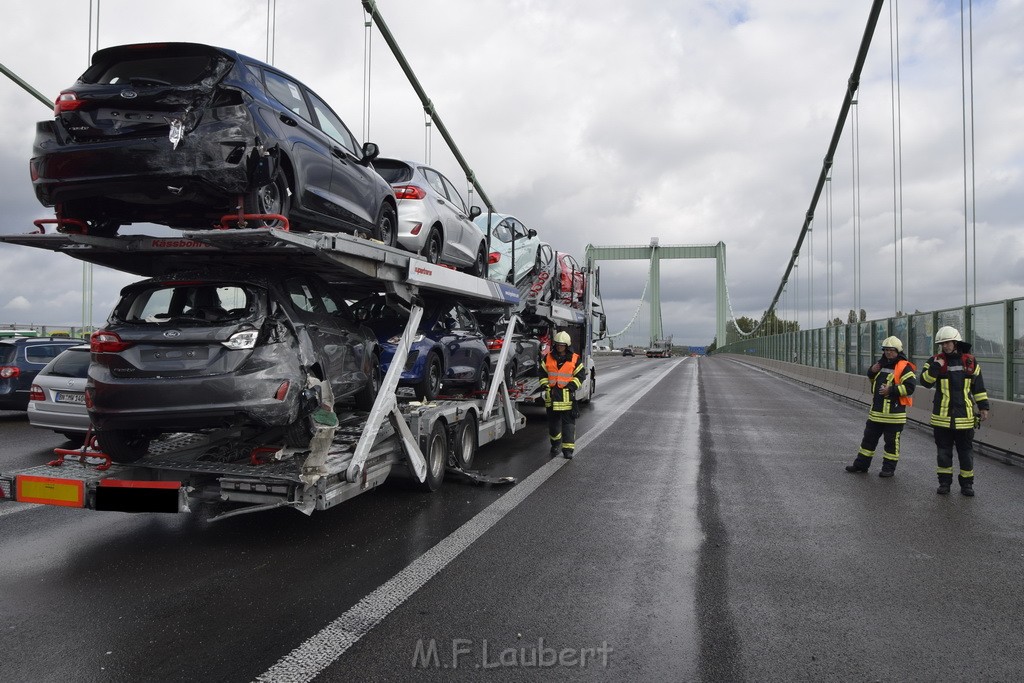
[896, 374]
[560, 376]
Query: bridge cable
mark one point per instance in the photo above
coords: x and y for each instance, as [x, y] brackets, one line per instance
[367, 59]
[897, 155]
[639, 306]
[967, 58]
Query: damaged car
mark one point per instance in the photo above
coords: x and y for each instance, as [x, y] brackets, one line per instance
[200, 352]
[193, 136]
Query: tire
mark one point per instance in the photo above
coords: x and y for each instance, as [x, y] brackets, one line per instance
[484, 378]
[124, 445]
[386, 228]
[429, 387]
[77, 438]
[593, 389]
[299, 433]
[271, 198]
[368, 394]
[479, 267]
[432, 249]
[510, 374]
[466, 441]
[435, 451]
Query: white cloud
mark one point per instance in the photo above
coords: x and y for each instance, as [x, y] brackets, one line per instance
[606, 122]
[18, 303]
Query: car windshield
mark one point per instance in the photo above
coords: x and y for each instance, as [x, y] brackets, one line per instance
[503, 232]
[7, 353]
[188, 302]
[71, 363]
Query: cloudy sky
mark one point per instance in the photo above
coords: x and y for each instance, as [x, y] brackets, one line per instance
[611, 122]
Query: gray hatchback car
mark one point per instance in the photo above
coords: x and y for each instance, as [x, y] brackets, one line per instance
[433, 219]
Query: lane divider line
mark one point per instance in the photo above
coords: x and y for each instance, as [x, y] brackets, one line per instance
[321, 650]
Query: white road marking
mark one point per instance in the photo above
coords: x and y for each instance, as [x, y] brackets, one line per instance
[313, 656]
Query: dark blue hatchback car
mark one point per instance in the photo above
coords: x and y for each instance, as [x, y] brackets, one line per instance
[449, 351]
[21, 359]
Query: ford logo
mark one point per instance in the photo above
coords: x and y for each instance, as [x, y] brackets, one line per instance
[129, 94]
[170, 334]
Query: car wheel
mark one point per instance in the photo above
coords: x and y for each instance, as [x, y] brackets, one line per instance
[273, 197]
[435, 452]
[483, 380]
[299, 433]
[432, 249]
[510, 374]
[124, 445]
[466, 438]
[368, 394]
[479, 267]
[429, 387]
[385, 230]
[97, 228]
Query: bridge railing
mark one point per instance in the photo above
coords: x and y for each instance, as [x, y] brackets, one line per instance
[995, 331]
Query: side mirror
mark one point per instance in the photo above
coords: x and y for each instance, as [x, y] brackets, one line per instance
[370, 152]
[474, 211]
[531, 232]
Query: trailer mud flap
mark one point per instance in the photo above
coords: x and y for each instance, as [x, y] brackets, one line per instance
[116, 495]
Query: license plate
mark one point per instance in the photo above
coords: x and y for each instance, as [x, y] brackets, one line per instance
[69, 397]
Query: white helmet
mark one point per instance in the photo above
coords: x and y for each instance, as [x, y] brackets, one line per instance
[563, 338]
[946, 334]
[892, 343]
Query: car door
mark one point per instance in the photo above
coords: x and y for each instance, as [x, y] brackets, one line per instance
[471, 236]
[310, 148]
[329, 340]
[354, 187]
[471, 342]
[453, 249]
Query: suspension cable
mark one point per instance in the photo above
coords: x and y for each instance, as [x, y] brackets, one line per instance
[367, 57]
[639, 306]
[897, 156]
[970, 217]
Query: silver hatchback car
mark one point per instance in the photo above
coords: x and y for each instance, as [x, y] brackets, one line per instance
[433, 219]
[57, 397]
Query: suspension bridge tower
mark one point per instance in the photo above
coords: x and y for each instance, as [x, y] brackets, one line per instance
[654, 253]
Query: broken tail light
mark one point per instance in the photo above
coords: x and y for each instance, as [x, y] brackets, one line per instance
[245, 339]
[409, 192]
[493, 257]
[67, 101]
[282, 390]
[495, 344]
[36, 393]
[104, 341]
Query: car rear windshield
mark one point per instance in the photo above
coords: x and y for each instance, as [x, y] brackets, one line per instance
[7, 353]
[157, 71]
[195, 303]
[393, 171]
[71, 363]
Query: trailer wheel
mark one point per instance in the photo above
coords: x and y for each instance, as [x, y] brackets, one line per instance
[124, 445]
[466, 441]
[435, 450]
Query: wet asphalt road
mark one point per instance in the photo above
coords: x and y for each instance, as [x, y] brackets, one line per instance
[707, 533]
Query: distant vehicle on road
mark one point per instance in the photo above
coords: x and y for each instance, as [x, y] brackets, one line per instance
[21, 359]
[627, 351]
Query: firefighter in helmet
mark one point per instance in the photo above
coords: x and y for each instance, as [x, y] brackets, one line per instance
[561, 374]
[892, 384]
[956, 376]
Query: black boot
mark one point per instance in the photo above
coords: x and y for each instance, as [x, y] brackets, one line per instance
[967, 486]
[555, 447]
[888, 468]
[860, 465]
[567, 453]
[944, 481]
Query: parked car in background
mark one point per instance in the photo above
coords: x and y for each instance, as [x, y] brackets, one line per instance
[524, 356]
[510, 240]
[447, 353]
[176, 133]
[207, 350]
[57, 396]
[21, 359]
[433, 219]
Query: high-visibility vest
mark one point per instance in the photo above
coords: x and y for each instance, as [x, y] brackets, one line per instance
[896, 374]
[560, 376]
